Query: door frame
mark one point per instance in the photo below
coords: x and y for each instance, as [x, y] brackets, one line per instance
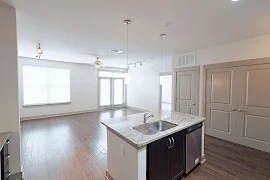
[183, 69]
[248, 62]
[160, 88]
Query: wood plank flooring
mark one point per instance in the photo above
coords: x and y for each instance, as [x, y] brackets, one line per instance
[75, 148]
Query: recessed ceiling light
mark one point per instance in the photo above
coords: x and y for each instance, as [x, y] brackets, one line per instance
[116, 51]
[234, 0]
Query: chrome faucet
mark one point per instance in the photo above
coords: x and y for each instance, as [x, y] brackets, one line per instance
[145, 117]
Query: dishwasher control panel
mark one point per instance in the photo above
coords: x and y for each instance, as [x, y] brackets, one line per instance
[193, 128]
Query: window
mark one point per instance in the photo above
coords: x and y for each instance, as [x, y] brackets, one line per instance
[45, 85]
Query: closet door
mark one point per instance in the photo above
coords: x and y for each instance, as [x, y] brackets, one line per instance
[221, 103]
[187, 92]
[254, 107]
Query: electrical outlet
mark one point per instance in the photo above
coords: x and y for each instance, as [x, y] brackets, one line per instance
[122, 150]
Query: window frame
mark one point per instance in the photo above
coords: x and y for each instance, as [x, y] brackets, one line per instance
[44, 104]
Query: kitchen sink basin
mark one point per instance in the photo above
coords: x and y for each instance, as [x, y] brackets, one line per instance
[154, 127]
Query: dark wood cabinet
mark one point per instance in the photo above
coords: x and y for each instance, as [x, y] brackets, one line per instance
[177, 155]
[165, 158]
[4, 155]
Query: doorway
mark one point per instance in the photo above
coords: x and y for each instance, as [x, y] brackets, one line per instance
[111, 90]
[166, 91]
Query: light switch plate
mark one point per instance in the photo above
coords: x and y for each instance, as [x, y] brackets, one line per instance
[197, 160]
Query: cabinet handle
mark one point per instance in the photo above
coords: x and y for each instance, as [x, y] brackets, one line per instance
[7, 156]
[173, 142]
[241, 110]
[7, 142]
[7, 175]
[233, 109]
[169, 145]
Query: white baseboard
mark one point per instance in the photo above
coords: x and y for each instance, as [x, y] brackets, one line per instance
[203, 159]
[137, 109]
[57, 115]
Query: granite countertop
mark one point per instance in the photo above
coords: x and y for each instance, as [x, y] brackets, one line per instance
[123, 126]
[3, 138]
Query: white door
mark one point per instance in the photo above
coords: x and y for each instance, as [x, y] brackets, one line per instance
[105, 92]
[187, 90]
[254, 107]
[221, 103]
[118, 92]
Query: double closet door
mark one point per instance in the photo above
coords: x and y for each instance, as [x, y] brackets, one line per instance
[111, 93]
[238, 105]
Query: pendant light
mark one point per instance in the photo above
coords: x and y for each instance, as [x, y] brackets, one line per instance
[161, 51]
[127, 22]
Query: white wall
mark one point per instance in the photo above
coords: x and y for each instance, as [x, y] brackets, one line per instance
[124, 161]
[9, 104]
[83, 89]
[257, 47]
[143, 87]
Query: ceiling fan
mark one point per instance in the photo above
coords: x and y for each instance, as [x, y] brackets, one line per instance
[98, 63]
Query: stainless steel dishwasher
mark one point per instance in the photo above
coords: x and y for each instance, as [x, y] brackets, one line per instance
[193, 146]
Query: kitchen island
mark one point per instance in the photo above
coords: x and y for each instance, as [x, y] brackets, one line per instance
[128, 149]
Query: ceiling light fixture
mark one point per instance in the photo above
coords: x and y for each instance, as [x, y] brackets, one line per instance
[161, 53]
[98, 63]
[116, 51]
[234, 0]
[39, 51]
[127, 22]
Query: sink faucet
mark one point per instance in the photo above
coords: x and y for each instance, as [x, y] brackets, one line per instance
[145, 117]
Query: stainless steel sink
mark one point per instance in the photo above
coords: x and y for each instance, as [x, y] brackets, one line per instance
[154, 127]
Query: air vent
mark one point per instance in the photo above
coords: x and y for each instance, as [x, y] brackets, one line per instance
[186, 60]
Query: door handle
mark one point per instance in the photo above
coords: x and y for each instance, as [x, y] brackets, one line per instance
[241, 110]
[233, 109]
[192, 104]
[173, 142]
[170, 143]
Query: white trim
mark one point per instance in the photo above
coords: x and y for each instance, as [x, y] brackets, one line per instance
[203, 159]
[46, 104]
[137, 109]
[57, 115]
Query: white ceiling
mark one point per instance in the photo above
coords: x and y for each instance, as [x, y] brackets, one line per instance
[78, 31]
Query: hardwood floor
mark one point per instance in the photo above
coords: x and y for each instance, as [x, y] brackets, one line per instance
[75, 147]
